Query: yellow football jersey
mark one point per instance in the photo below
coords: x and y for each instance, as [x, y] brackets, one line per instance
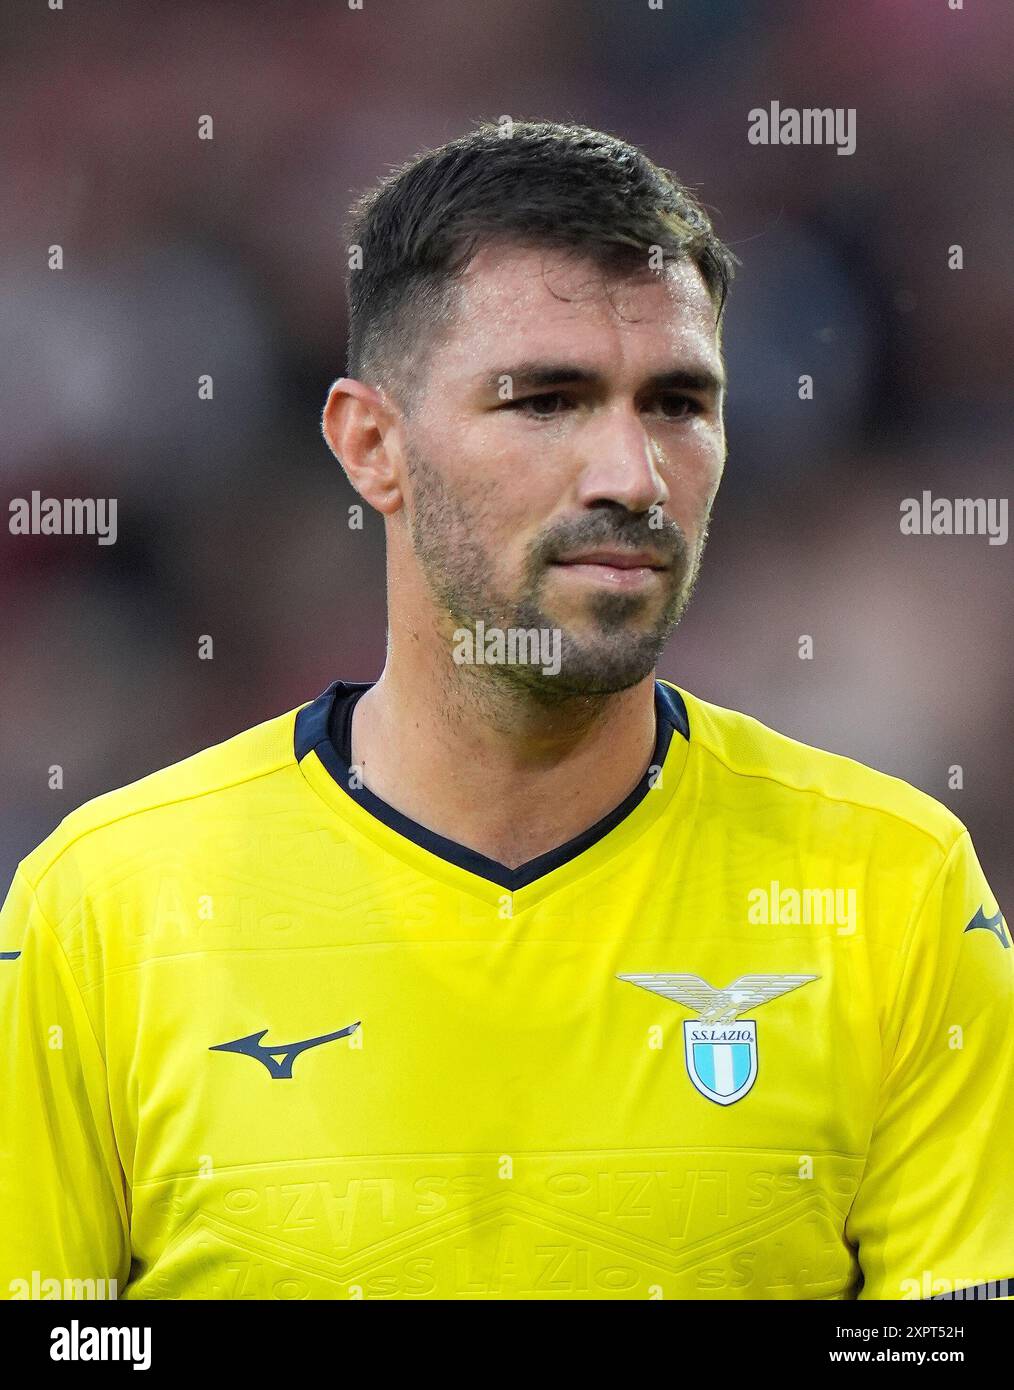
[749, 1036]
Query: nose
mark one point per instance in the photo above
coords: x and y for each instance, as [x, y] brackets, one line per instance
[620, 462]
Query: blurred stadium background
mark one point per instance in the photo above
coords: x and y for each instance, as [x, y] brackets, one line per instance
[185, 257]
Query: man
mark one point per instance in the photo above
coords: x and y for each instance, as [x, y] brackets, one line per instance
[517, 973]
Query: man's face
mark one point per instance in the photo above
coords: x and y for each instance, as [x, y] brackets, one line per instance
[563, 414]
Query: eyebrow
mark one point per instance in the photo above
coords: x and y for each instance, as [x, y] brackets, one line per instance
[530, 375]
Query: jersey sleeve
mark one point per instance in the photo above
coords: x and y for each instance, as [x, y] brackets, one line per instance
[63, 1211]
[934, 1213]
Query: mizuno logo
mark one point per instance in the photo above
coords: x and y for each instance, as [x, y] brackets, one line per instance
[9, 955]
[995, 924]
[281, 1069]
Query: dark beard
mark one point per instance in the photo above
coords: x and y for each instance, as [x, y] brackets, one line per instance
[458, 569]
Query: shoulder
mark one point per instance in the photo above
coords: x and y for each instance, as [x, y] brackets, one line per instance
[147, 818]
[795, 780]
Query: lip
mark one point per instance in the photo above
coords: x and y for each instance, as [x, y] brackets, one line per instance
[616, 559]
[628, 576]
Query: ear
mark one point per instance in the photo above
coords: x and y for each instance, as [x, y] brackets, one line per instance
[360, 426]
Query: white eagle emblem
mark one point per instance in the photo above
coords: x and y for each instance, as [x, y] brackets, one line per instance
[719, 1005]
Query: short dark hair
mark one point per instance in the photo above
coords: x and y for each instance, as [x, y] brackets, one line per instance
[534, 183]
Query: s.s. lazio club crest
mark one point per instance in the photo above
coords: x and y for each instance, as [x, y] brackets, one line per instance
[720, 1047]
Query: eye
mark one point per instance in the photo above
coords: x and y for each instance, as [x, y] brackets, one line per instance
[676, 406]
[541, 406]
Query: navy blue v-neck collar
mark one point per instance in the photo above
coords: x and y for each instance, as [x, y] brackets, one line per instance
[325, 727]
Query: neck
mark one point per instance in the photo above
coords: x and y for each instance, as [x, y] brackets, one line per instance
[492, 765]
